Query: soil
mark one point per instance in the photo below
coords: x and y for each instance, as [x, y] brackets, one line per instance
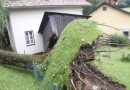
[86, 77]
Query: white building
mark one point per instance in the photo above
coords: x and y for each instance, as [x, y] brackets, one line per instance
[24, 19]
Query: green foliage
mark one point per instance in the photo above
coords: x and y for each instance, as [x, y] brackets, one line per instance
[2, 24]
[12, 78]
[95, 3]
[119, 39]
[126, 58]
[57, 74]
[36, 70]
[113, 67]
[2, 17]
[88, 9]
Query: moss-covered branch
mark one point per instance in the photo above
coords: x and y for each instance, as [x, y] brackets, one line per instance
[19, 60]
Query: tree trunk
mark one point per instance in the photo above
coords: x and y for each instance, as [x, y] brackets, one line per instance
[19, 60]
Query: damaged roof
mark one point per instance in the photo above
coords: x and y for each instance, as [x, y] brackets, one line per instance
[45, 3]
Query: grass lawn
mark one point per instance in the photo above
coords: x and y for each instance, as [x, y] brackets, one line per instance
[113, 66]
[57, 63]
[15, 79]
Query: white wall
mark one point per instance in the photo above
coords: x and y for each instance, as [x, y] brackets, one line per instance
[29, 19]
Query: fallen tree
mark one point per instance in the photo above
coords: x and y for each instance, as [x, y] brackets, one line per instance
[57, 71]
[19, 60]
[65, 67]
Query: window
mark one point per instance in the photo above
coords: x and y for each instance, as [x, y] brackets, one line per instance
[104, 8]
[29, 38]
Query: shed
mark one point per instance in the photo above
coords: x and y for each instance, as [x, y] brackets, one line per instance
[53, 24]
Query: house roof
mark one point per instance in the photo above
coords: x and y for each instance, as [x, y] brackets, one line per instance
[108, 4]
[46, 18]
[46, 3]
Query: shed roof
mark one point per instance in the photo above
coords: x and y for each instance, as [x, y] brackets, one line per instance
[47, 14]
[45, 3]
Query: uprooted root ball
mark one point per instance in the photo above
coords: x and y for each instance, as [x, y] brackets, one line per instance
[86, 77]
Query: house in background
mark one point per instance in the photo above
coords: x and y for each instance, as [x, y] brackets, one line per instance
[24, 19]
[111, 19]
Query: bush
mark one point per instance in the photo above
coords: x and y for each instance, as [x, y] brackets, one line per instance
[126, 58]
[119, 40]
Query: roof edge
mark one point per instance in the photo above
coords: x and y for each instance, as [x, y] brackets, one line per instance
[46, 14]
[108, 4]
[45, 6]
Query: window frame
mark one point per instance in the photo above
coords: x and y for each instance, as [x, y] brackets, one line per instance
[104, 8]
[28, 38]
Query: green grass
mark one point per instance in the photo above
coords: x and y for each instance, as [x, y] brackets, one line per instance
[113, 66]
[75, 34]
[58, 71]
[15, 79]
[58, 62]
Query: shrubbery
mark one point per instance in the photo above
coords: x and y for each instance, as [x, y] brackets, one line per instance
[126, 58]
[119, 40]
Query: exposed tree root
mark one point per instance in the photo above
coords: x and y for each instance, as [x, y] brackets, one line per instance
[86, 77]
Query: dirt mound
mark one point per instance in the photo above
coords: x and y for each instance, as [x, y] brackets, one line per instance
[86, 77]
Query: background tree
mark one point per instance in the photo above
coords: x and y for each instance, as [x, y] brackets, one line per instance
[94, 3]
[2, 23]
[2, 17]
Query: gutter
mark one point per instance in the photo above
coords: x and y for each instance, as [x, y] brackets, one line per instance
[45, 6]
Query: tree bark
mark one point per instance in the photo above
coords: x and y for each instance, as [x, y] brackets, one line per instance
[19, 60]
